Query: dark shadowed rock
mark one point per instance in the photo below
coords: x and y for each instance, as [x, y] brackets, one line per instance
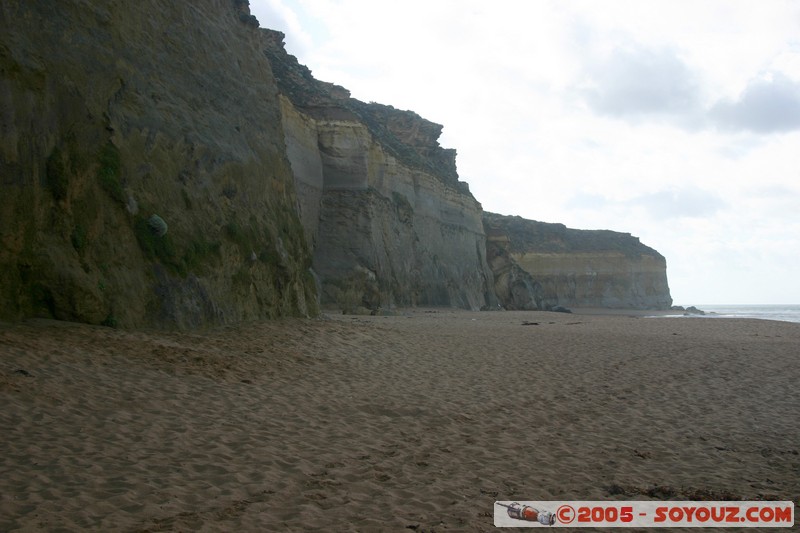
[112, 111]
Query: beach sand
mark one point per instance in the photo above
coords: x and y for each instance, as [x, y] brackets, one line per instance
[418, 421]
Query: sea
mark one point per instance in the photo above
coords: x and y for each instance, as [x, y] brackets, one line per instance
[785, 313]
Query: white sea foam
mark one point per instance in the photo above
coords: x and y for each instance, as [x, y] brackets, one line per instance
[784, 313]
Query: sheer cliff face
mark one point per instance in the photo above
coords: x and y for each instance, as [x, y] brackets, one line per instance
[568, 267]
[170, 165]
[380, 200]
[116, 111]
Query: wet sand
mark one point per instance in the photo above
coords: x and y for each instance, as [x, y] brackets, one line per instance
[418, 421]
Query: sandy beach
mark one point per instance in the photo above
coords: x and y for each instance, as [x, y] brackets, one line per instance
[418, 421]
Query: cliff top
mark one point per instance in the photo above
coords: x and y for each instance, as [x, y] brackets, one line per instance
[531, 235]
[405, 135]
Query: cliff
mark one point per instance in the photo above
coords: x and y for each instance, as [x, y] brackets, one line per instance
[143, 166]
[388, 220]
[537, 265]
[171, 165]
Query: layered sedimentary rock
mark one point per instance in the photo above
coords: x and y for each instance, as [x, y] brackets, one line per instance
[515, 288]
[113, 112]
[170, 165]
[389, 221]
[541, 265]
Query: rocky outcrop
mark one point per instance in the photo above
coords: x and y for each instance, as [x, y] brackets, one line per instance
[389, 221]
[541, 265]
[515, 288]
[112, 112]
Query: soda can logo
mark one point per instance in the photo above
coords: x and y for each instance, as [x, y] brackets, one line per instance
[643, 514]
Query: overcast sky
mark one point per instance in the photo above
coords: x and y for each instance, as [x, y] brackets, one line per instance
[676, 121]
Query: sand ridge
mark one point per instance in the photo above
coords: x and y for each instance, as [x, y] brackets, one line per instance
[418, 421]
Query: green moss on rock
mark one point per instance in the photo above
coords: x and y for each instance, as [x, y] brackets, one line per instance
[200, 254]
[109, 173]
[78, 237]
[155, 247]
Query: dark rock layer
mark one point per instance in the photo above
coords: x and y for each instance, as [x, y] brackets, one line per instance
[115, 111]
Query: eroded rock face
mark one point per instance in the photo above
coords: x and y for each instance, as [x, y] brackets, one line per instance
[380, 200]
[170, 165]
[116, 111]
[515, 288]
[573, 268]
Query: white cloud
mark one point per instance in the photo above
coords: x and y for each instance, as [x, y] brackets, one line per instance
[687, 202]
[662, 205]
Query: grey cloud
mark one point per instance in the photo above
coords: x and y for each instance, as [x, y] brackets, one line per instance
[766, 106]
[654, 83]
[638, 81]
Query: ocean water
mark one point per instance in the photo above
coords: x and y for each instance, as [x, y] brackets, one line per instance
[785, 313]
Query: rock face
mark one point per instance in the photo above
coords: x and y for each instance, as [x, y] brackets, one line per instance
[112, 112]
[389, 222]
[540, 265]
[168, 164]
[515, 288]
